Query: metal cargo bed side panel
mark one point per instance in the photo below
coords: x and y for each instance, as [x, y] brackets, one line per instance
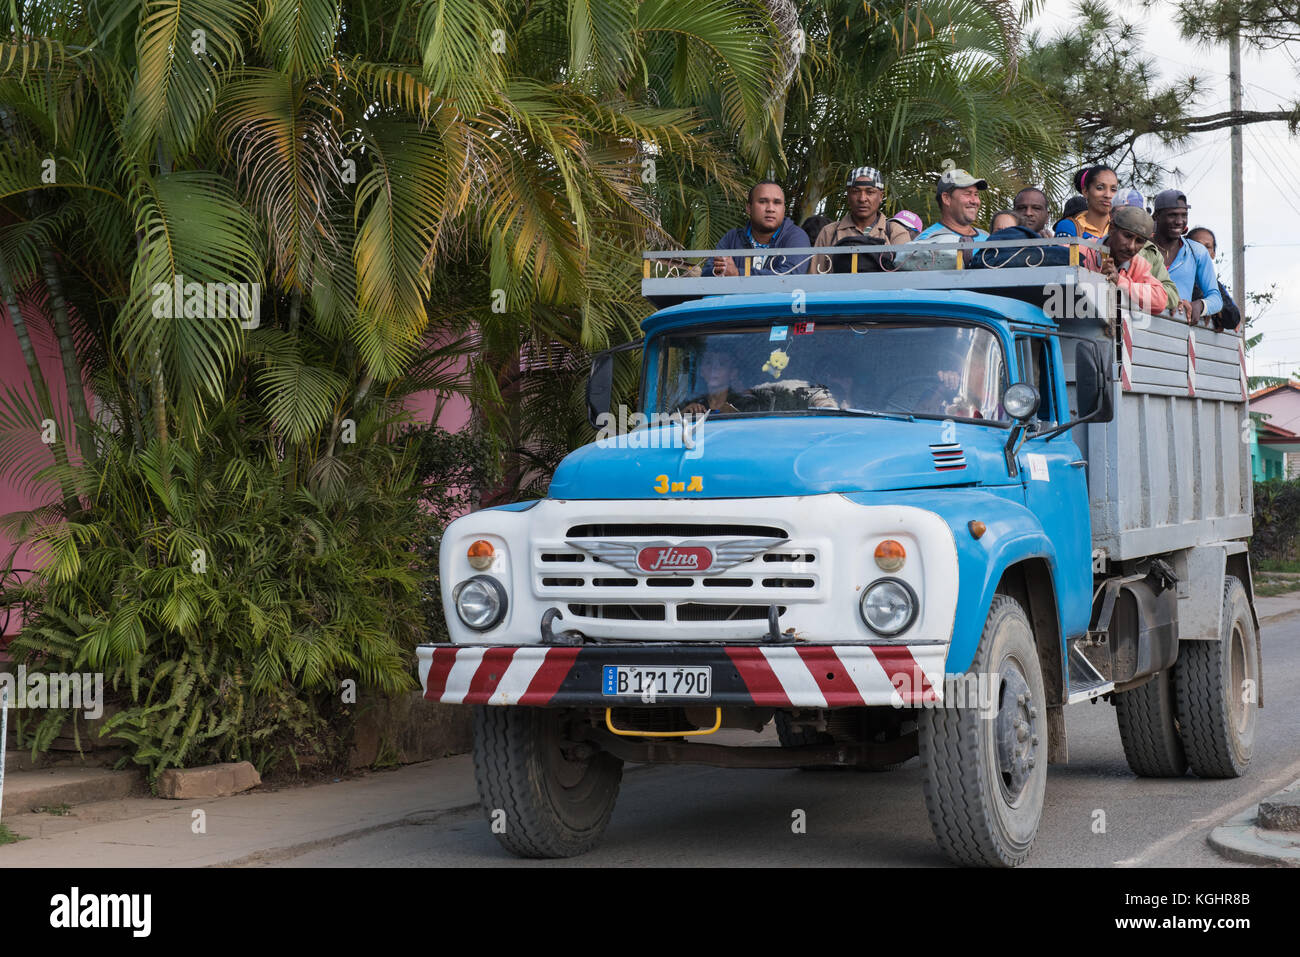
[1171, 470]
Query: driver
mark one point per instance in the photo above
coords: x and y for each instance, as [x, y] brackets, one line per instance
[720, 375]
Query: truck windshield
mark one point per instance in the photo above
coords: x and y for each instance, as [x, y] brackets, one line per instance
[905, 367]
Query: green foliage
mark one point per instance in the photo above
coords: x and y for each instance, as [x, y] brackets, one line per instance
[226, 605]
[1277, 520]
[451, 468]
[1265, 24]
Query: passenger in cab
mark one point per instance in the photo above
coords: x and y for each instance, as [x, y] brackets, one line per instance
[865, 194]
[1189, 263]
[1098, 185]
[1031, 206]
[768, 228]
[1130, 227]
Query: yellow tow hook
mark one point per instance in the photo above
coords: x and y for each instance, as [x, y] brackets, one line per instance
[609, 723]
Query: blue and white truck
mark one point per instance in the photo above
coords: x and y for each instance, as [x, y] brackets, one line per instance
[896, 514]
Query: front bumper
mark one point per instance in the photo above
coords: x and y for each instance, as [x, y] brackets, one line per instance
[780, 676]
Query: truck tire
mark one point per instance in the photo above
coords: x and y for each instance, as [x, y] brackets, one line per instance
[1148, 728]
[985, 778]
[540, 802]
[1218, 691]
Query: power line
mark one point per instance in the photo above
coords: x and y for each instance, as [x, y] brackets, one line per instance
[1276, 172]
[1281, 164]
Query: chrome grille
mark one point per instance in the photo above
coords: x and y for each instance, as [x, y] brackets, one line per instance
[590, 589]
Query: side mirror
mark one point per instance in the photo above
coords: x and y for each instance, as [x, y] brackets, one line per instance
[600, 384]
[600, 387]
[1092, 378]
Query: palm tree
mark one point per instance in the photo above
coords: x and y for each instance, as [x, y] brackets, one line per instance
[378, 171]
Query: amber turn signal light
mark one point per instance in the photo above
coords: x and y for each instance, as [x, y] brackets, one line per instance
[977, 528]
[890, 555]
[480, 555]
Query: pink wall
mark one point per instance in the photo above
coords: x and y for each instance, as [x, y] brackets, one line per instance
[1282, 406]
[13, 375]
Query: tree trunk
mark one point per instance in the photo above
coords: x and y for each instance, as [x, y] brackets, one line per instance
[34, 372]
[68, 352]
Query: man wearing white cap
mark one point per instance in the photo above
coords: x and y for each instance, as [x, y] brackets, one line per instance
[958, 195]
[866, 193]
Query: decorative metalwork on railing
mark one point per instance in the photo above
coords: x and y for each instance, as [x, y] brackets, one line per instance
[907, 257]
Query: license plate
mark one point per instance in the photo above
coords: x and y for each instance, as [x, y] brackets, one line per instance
[664, 681]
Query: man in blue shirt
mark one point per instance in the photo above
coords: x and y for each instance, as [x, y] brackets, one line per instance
[958, 196]
[1189, 263]
[768, 228]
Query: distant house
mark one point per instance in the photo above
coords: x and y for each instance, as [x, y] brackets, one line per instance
[1275, 451]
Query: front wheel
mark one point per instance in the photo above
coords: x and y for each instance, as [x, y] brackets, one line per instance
[544, 796]
[985, 768]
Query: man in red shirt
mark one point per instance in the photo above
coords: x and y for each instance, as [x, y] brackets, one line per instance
[1130, 228]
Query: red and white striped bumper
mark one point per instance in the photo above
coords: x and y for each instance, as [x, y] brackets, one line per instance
[782, 676]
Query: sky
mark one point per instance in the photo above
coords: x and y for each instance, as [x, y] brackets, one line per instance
[1271, 168]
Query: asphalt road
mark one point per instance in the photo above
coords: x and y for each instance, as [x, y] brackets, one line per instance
[687, 816]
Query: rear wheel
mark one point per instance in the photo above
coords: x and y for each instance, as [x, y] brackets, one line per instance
[985, 774]
[1218, 691]
[1148, 728]
[544, 796]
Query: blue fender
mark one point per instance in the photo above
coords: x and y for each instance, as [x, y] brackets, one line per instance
[1013, 534]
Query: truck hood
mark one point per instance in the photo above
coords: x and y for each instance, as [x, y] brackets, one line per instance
[784, 455]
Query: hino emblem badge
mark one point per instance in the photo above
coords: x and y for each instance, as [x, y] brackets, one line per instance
[687, 557]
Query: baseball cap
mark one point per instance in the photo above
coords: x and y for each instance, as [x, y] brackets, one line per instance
[958, 179]
[871, 175]
[1169, 199]
[1128, 197]
[1133, 218]
[908, 219]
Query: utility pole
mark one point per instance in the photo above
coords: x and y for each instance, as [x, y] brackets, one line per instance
[1238, 207]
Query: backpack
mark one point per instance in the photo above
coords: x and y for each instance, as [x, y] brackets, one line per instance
[1010, 256]
[867, 262]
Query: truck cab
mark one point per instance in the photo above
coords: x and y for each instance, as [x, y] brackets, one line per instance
[860, 508]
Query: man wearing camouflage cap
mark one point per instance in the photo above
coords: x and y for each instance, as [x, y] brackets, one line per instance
[866, 194]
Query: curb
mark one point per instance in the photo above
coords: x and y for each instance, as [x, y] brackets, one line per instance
[276, 855]
[1240, 840]
[1279, 616]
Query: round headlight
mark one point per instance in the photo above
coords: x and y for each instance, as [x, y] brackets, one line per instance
[480, 602]
[888, 606]
[1021, 401]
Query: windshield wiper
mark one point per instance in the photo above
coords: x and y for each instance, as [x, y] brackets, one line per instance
[869, 413]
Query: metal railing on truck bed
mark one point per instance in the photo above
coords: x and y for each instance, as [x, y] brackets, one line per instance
[1170, 471]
